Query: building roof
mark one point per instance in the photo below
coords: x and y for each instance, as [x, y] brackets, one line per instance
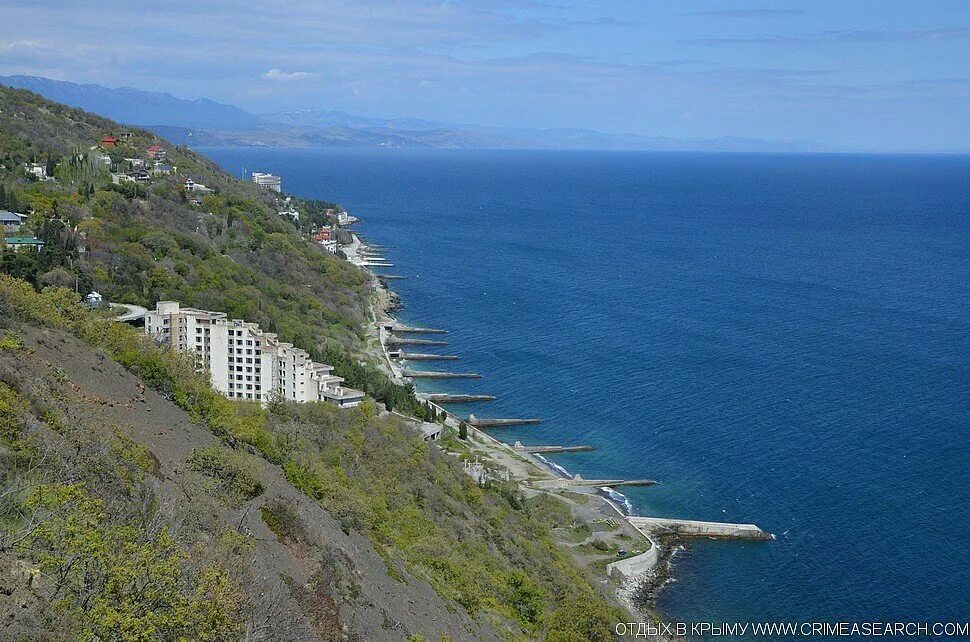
[9, 217]
[23, 240]
[106, 139]
[155, 148]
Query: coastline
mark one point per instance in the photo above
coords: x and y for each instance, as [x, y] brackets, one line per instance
[625, 577]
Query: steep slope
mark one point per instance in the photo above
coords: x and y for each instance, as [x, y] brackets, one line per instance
[313, 581]
[120, 514]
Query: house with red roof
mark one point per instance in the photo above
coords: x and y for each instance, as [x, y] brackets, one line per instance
[109, 141]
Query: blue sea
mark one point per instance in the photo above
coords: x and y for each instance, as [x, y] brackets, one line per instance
[777, 339]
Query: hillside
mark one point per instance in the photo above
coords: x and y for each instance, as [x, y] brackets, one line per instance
[138, 504]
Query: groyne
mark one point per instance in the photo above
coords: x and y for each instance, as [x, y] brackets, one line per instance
[499, 423]
[432, 374]
[695, 528]
[446, 398]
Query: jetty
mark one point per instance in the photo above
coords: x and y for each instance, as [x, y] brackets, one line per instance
[390, 277]
[366, 263]
[499, 423]
[408, 341]
[694, 528]
[420, 356]
[431, 374]
[396, 327]
[446, 398]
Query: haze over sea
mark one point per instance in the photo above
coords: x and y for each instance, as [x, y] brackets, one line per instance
[777, 339]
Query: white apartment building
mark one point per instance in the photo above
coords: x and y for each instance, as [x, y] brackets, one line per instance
[268, 180]
[243, 361]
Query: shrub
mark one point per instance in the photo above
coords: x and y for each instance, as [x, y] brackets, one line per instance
[237, 472]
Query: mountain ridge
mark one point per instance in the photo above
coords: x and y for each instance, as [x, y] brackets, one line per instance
[205, 122]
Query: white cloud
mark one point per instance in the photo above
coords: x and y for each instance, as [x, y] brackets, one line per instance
[285, 76]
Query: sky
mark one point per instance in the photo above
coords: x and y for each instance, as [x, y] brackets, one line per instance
[882, 75]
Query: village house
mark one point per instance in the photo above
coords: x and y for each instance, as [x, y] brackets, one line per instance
[192, 186]
[156, 152]
[11, 221]
[109, 141]
[20, 243]
[94, 299]
[37, 170]
[287, 210]
[243, 361]
[327, 238]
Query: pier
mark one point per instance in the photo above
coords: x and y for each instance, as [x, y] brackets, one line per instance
[407, 341]
[445, 398]
[431, 374]
[390, 277]
[498, 423]
[420, 356]
[694, 528]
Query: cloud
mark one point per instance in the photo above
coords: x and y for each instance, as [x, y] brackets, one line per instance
[747, 13]
[286, 76]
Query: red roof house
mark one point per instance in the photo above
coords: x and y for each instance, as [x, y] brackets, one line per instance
[109, 141]
[156, 151]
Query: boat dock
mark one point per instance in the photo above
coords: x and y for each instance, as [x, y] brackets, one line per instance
[390, 277]
[694, 528]
[431, 374]
[445, 398]
[419, 356]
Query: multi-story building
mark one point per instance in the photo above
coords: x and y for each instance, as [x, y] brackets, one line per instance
[271, 181]
[243, 361]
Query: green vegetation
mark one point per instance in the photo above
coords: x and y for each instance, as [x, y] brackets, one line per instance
[142, 244]
[489, 549]
[112, 571]
[121, 572]
[236, 472]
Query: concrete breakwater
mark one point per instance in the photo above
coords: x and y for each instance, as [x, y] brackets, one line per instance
[432, 374]
[408, 341]
[694, 528]
[420, 356]
[446, 398]
[496, 423]
[396, 327]
[544, 450]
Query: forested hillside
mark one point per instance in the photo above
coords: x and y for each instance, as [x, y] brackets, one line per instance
[138, 504]
[227, 249]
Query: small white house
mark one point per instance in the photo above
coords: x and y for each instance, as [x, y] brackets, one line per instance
[94, 300]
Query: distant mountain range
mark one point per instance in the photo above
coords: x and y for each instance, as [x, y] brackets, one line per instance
[205, 122]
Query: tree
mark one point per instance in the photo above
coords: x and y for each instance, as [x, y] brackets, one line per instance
[463, 431]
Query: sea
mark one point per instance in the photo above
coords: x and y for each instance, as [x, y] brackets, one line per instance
[776, 339]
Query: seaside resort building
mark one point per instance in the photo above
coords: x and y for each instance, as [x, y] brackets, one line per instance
[243, 361]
